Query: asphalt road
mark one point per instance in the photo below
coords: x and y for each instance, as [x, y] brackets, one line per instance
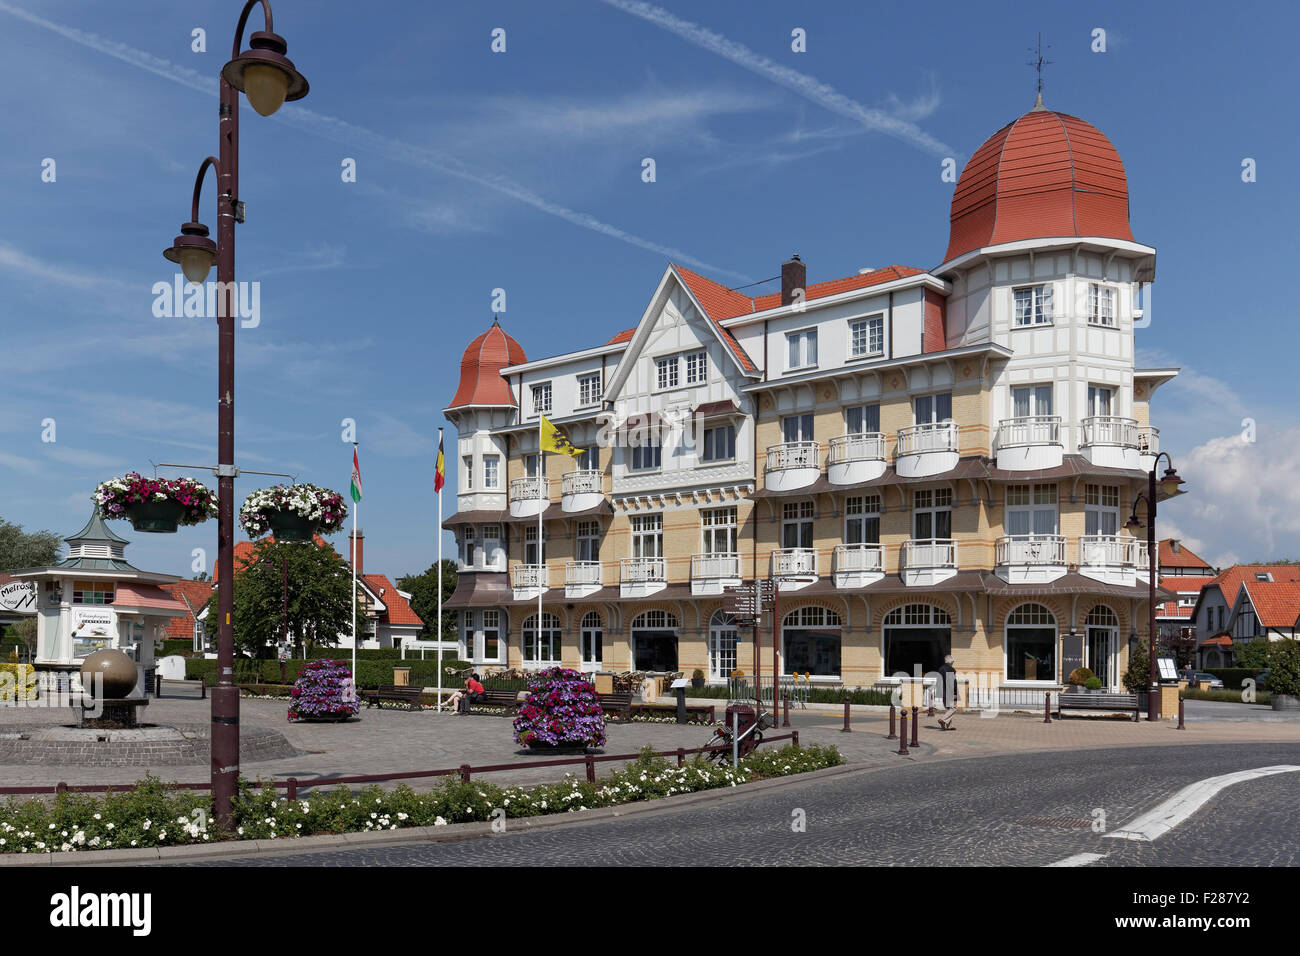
[1015, 810]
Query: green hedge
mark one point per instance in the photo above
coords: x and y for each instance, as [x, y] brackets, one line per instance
[177, 645]
[1232, 676]
[375, 654]
[816, 695]
[370, 674]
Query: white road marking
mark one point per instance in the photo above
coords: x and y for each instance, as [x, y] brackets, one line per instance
[1159, 821]
[1079, 859]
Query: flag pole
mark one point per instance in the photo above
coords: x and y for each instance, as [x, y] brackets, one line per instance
[356, 506]
[541, 560]
[439, 627]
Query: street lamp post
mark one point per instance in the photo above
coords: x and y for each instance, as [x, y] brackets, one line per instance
[1170, 486]
[268, 78]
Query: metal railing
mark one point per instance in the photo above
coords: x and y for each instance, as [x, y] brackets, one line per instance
[1031, 549]
[642, 570]
[933, 436]
[529, 576]
[529, 489]
[713, 566]
[1112, 550]
[581, 483]
[1108, 430]
[930, 553]
[865, 446]
[791, 562]
[1029, 430]
[582, 572]
[859, 557]
[1030, 699]
[794, 454]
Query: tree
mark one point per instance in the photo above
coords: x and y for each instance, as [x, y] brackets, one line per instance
[423, 589]
[320, 596]
[26, 549]
[1138, 672]
[1284, 667]
[1251, 654]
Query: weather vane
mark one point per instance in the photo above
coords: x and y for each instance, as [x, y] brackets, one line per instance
[1038, 63]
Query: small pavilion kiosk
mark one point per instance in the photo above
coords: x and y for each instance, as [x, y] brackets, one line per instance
[92, 600]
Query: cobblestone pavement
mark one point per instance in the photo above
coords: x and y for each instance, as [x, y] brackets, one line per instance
[1017, 810]
[389, 740]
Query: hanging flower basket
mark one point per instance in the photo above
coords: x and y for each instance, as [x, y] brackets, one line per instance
[292, 512]
[155, 504]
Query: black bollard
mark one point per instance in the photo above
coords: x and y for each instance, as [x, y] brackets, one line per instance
[892, 735]
[902, 737]
[915, 719]
[1047, 707]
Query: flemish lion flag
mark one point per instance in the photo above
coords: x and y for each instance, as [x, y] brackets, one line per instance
[439, 469]
[356, 475]
[554, 440]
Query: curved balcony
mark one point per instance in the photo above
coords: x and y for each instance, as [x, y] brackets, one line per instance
[792, 464]
[639, 577]
[529, 580]
[1030, 442]
[929, 449]
[1109, 441]
[857, 565]
[855, 458]
[1148, 442]
[528, 497]
[1114, 559]
[928, 560]
[710, 573]
[581, 578]
[580, 490]
[1030, 558]
[794, 568]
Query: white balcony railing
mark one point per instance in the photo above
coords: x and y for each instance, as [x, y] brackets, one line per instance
[1112, 551]
[715, 566]
[1031, 549]
[794, 454]
[866, 446]
[1148, 440]
[859, 557]
[794, 562]
[528, 489]
[642, 570]
[529, 576]
[582, 573]
[1107, 430]
[1029, 430]
[581, 483]
[933, 436]
[929, 553]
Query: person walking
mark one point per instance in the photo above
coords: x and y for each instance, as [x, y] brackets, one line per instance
[948, 678]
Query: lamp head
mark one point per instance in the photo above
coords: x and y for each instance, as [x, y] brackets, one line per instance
[1170, 483]
[1133, 525]
[264, 74]
[193, 251]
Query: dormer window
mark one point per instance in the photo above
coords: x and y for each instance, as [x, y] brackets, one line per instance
[1033, 305]
[1265, 577]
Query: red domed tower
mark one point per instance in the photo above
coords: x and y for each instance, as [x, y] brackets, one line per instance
[480, 369]
[1046, 175]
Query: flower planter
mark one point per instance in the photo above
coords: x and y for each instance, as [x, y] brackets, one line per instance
[290, 526]
[556, 749]
[161, 517]
[323, 719]
[1285, 702]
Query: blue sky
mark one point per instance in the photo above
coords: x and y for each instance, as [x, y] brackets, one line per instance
[522, 170]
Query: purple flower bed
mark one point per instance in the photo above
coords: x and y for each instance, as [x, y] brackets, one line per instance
[324, 689]
[562, 710]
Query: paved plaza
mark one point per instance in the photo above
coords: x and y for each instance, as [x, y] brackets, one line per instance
[391, 740]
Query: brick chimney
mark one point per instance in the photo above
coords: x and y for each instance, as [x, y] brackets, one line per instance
[1175, 546]
[360, 551]
[794, 275]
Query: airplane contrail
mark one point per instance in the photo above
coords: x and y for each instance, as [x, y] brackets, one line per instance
[807, 86]
[341, 131]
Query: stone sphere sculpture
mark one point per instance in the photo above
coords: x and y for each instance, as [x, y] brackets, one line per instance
[117, 670]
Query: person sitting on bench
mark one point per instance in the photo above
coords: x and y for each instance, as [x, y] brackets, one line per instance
[462, 700]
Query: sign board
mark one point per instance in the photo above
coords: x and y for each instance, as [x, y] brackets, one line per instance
[748, 601]
[680, 683]
[100, 623]
[18, 597]
[1168, 670]
[1071, 654]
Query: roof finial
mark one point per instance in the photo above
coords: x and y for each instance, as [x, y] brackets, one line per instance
[1038, 63]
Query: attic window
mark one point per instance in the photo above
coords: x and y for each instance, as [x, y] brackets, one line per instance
[1265, 576]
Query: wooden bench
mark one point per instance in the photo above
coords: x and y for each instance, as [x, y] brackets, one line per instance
[413, 697]
[616, 705]
[508, 699]
[1109, 702]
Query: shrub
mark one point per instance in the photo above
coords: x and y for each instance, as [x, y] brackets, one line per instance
[324, 689]
[1093, 683]
[562, 709]
[1284, 667]
[1080, 676]
[1233, 676]
[17, 682]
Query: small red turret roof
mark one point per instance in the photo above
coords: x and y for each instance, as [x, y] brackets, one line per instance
[480, 369]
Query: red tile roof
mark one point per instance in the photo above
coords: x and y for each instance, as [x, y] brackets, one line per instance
[1231, 579]
[1219, 640]
[399, 609]
[624, 336]
[146, 595]
[1182, 558]
[1044, 175]
[480, 369]
[193, 594]
[1277, 604]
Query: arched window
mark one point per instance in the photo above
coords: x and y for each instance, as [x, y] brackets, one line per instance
[1031, 643]
[591, 641]
[541, 647]
[1101, 645]
[916, 639]
[1102, 616]
[654, 619]
[811, 642]
[654, 642]
[723, 634]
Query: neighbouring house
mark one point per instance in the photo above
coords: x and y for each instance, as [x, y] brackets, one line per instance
[1182, 573]
[1222, 618]
[194, 595]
